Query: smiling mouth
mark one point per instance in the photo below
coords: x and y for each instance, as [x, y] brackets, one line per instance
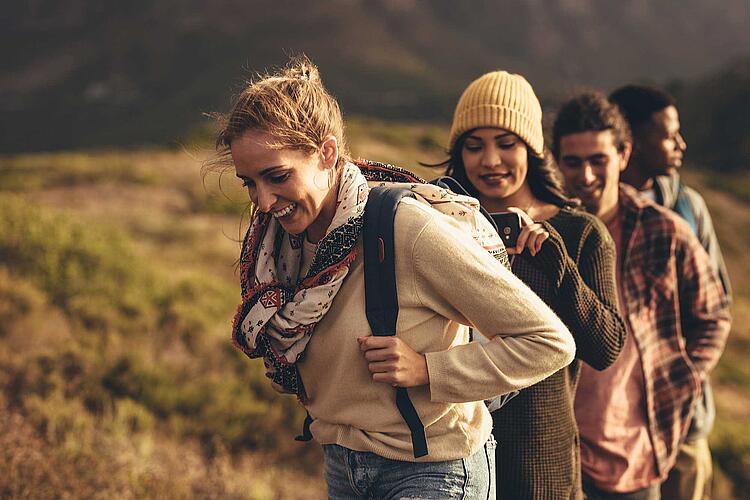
[284, 211]
[495, 178]
[588, 190]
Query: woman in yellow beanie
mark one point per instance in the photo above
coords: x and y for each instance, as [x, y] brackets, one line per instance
[565, 255]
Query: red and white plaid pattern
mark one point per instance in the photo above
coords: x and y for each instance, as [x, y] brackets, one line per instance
[677, 312]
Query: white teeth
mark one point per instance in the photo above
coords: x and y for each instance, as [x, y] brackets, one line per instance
[285, 211]
[496, 176]
[589, 189]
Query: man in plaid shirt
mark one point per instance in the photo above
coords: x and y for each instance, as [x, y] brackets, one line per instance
[633, 416]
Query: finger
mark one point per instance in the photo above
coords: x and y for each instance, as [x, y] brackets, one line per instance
[541, 239]
[373, 342]
[381, 367]
[522, 237]
[531, 243]
[526, 220]
[383, 354]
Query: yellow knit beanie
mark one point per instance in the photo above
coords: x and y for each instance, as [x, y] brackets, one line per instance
[503, 100]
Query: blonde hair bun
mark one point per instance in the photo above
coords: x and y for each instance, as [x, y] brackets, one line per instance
[291, 105]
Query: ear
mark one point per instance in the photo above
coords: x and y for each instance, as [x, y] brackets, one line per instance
[329, 152]
[624, 155]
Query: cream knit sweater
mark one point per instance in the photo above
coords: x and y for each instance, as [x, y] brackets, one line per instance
[445, 281]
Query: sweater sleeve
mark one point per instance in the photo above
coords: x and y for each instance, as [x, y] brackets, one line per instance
[459, 279]
[586, 293]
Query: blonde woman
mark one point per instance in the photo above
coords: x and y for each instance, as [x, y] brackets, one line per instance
[303, 306]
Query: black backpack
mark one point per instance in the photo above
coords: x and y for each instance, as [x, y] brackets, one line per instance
[381, 297]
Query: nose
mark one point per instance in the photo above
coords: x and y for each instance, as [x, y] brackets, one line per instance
[490, 157]
[681, 144]
[587, 174]
[265, 198]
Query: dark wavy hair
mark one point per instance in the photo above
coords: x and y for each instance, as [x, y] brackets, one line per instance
[590, 112]
[543, 176]
[638, 103]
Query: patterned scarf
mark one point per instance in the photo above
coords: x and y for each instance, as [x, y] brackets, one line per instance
[280, 309]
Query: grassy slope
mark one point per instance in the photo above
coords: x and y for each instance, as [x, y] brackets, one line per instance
[730, 209]
[116, 291]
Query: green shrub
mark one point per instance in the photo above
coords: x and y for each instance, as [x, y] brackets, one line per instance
[36, 171]
[730, 446]
[89, 271]
[19, 298]
[139, 337]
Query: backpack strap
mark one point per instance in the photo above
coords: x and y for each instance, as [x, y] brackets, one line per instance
[381, 298]
[685, 208]
[306, 434]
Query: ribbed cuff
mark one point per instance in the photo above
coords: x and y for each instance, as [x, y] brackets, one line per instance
[552, 257]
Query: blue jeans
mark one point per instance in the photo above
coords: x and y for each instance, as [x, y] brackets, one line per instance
[358, 474]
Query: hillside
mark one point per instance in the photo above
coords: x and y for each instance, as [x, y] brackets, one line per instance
[80, 74]
[715, 111]
[117, 287]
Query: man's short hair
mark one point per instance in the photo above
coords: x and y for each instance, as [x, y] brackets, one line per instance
[590, 112]
[638, 103]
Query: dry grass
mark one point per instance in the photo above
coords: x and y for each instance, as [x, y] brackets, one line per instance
[150, 400]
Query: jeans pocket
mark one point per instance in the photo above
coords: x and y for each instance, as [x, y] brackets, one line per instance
[490, 447]
[491, 443]
[480, 472]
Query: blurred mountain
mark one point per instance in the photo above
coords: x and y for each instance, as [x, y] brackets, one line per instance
[80, 73]
[715, 112]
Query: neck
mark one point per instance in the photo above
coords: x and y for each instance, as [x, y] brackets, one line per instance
[523, 199]
[636, 177]
[317, 230]
[606, 214]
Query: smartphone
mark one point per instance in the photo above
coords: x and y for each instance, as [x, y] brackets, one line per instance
[508, 227]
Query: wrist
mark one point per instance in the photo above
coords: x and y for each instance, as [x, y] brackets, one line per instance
[551, 257]
[424, 370]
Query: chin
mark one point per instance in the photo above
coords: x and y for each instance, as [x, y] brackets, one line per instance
[499, 193]
[293, 227]
[591, 206]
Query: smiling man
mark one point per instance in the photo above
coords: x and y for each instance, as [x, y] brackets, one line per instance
[658, 148]
[634, 415]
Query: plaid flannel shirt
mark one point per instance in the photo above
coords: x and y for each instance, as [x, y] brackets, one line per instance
[677, 312]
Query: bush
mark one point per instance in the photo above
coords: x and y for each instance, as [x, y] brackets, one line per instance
[89, 271]
[730, 446]
[29, 172]
[140, 337]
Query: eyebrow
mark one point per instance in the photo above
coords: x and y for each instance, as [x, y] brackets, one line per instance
[263, 172]
[589, 158]
[570, 157]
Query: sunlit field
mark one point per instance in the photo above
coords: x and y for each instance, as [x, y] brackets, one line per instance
[117, 288]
